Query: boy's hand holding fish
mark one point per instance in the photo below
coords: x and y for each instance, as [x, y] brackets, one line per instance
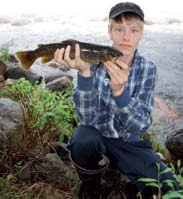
[118, 73]
[62, 56]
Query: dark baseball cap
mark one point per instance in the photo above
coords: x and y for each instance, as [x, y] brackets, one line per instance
[122, 7]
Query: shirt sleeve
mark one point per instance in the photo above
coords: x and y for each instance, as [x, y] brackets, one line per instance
[85, 98]
[135, 112]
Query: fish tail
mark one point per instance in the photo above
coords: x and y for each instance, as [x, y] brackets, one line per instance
[26, 58]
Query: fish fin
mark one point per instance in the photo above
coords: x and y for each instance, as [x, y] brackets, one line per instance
[70, 41]
[26, 58]
[39, 45]
[46, 59]
[97, 65]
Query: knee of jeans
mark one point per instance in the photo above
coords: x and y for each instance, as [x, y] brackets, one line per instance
[87, 152]
[84, 147]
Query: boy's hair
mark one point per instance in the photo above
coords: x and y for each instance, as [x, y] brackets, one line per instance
[128, 16]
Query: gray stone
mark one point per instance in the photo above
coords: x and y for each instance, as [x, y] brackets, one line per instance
[11, 123]
[20, 21]
[163, 115]
[60, 84]
[174, 140]
[50, 78]
[18, 72]
[3, 68]
[55, 170]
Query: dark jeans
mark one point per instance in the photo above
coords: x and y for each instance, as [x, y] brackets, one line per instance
[134, 159]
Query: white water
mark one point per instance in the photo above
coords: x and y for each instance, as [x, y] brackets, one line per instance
[31, 22]
[34, 21]
[153, 8]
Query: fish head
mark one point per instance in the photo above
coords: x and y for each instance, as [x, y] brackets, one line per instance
[111, 54]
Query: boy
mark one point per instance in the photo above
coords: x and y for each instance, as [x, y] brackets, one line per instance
[114, 106]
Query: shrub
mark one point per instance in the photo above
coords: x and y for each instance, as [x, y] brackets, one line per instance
[44, 110]
[4, 51]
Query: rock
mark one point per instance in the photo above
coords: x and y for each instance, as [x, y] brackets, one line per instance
[20, 21]
[18, 72]
[50, 78]
[25, 172]
[5, 19]
[149, 22]
[38, 19]
[60, 84]
[53, 65]
[174, 140]
[60, 149]
[163, 113]
[59, 66]
[3, 68]
[55, 170]
[163, 116]
[11, 124]
[13, 59]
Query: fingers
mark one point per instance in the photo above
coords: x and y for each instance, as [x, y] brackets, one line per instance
[122, 65]
[63, 56]
[118, 72]
[77, 53]
[113, 70]
[118, 67]
[67, 55]
[58, 56]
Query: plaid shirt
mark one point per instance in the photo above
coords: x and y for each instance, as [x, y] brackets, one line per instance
[127, 115]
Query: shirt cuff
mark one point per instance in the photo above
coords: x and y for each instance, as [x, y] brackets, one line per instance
[123, 99]
[85, 83]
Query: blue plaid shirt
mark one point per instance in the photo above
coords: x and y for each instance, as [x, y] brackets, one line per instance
[127, 115]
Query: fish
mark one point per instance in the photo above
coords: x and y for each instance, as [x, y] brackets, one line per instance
[89, 52]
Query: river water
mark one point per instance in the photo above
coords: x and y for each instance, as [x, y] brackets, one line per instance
[162, 43]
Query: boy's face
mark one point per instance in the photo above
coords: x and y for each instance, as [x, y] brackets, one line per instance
[126, 35]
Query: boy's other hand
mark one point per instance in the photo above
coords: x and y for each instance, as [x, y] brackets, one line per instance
[118, 74]
[62, 56]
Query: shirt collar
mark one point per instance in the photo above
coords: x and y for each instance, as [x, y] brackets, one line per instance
[135, 58]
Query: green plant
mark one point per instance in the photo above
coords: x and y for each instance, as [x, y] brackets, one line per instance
[44, 110]
[156, 145]
[156, 182]
[173, 194]
[4, 51]
[156, 137]
[179, 171]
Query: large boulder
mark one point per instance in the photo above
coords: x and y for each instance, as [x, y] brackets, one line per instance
[60, 84]
[163, 112]
[18, 72]
[55, 170]
[163, 115]
[11, 124]
[3, 68]
[174, 140]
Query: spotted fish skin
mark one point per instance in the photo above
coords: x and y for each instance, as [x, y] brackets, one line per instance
[89, 52]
